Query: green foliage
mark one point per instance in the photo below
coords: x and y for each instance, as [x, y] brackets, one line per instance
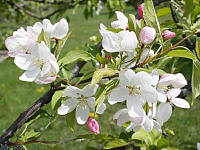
[116, 143]
[70, 119]
[55, 99]
[196, 79]
[30, 135]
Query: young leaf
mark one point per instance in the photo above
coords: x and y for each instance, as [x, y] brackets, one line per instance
[55, 98]
[142, 135]
[162, 143]
[163, 11]
[132, 25]
[197, 50]
[100, 73]
[181, 52]
[116, 144]
[70, 119]
[41, 37]
[196, 79]
[73, 56]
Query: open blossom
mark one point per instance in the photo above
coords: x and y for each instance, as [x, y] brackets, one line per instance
[40, 66]
[168, 34]
[93, 126]
[82, 100]
[121, 23]
[123, 41]
[140, 10]
[147, 35]
[136, 89]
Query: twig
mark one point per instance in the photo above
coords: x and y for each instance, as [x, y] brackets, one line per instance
[23, 117]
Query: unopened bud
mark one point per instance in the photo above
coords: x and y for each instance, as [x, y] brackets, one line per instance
[140, 10]
[93, 125]
[168, 34]
[147, 35]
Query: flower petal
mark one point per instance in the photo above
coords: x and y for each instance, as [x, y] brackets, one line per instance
[30, 75]
[119, 94]
[164, 112]
[72, 91]
[126, 77]
[82, 114]
[88, 91]
[60, 29]
[142, 78]
[173, 93]
[179, 102]
[67, 106]
[101, 109]
[155, 77]
[149, 94]
[161, 95]
[23, 61]
[148, 124]
[91, 102]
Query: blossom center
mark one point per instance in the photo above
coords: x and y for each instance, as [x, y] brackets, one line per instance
[134, 90]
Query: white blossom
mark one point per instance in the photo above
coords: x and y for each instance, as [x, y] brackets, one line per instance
[82, 100]
[40, 66]
[121, 23]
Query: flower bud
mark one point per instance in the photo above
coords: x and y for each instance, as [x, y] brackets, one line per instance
[168, 34]
[140, 10]
[93, 125]
[147, 35]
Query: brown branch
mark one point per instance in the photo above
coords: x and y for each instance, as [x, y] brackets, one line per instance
[23, 117]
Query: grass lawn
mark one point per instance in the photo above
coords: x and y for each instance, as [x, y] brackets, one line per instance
[16, 96]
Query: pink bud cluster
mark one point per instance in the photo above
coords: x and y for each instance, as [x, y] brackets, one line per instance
[93, 126]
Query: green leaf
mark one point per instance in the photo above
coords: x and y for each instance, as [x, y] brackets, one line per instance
[116, 143]
[196, 79]
[162, 143]
[57, 95]
[30, 135]
[150, 15]
[169, 132]
[47, 39]
[66, 73]
[100, 59]
[100, 73]
[114, 30]
[73, 56]
[197, 50]
[70, 119]
[163, 11]
[41, 37]
[188, 10]
[60, 44]
[155, 136]
[142, 135]
[181, 52]
[132, 25]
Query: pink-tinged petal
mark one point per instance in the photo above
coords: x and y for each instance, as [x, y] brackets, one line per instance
[168, 34]
[93, 126]
[30, 75]
[155, 77]
[137, 120]
[72, 91]
[164, 112]
[167, 79]
[119, 94]
[135, 108]
[147, 35]
[173, 93]
[45, 80]
[67, 106]
[82, 114]
[140, 10]
[179, 102]
[60, 29]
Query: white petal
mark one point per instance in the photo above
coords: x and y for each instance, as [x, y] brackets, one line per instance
[161, 95]
[30, 75]
[157, 126]
[167, 79]
[173, 93]
[179, 102]
[23, 61]
[198, 146]
[164, 112]
[45, 69]
[88, 91]
[67, 106]
[121, 111]
[148, 124]
[60, 29]
[180, 81]
[126, 77]
[137, 120]
[82, 114]
[149, 94]
[134, 106]
[72, 91]
[142, 78]
[122, 21]
[119, 94]
[91, 102]
[101, 109]
[123, 118]
[155, 77]
[144, 55]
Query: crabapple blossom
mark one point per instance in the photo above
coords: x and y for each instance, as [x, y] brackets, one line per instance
[40, 66]
[82, 100]
[123, 41]
[147, 35]
[121, 23]
[140, 10]
[93, 125]
[168, 34]
[136, 89]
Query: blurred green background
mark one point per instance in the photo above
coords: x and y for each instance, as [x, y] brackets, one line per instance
[16, 96]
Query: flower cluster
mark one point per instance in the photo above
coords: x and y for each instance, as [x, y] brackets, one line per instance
[34, 56]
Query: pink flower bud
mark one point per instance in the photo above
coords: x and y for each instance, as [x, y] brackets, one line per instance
[147, 35]
[140, 10]
[168, 34]
[93, 125]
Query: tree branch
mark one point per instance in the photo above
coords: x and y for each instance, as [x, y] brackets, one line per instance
[23, 117]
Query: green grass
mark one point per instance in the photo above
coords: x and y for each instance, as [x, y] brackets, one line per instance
[16, 96]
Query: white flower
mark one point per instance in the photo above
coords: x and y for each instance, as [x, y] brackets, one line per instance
[121, 23]
[198, 146]
[146, 53]
[82, 100]
[41, 66]
[136, 89]
[123, 41]
[164, 110]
